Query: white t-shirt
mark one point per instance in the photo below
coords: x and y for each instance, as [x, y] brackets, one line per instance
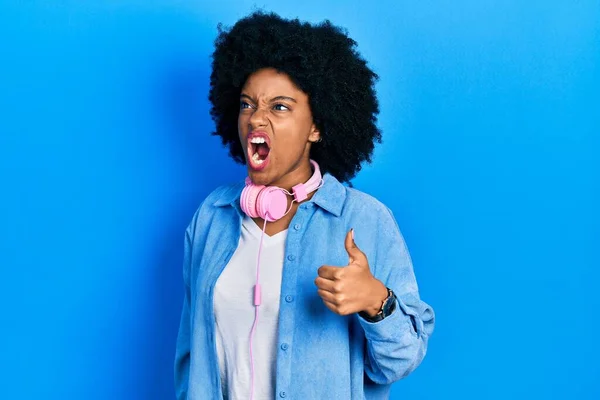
[234, 310]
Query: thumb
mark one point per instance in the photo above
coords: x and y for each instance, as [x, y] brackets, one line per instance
[354, 253]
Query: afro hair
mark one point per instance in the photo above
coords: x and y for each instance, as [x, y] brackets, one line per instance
[322, 61]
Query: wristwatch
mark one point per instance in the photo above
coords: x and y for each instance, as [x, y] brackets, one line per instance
[387, 308]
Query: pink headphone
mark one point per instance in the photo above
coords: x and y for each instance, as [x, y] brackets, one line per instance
[270, 202]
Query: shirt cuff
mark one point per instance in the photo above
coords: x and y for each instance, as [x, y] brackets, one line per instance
[395, 324]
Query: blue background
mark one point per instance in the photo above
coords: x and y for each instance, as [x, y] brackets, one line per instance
[491, 116]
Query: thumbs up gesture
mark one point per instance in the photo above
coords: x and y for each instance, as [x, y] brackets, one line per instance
[352, 288]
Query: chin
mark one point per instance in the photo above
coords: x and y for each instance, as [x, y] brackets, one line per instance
[259, 177]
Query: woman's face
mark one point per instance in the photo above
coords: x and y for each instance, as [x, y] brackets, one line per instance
[276, 129]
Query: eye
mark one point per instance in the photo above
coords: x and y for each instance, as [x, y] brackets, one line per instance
[280, 107]
[244, 105]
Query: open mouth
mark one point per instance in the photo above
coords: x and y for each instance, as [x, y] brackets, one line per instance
[258, 150]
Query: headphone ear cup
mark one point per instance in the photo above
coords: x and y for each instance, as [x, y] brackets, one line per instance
[249, 198]
[271, 204]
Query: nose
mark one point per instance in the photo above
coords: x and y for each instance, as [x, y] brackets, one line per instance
[258, 118]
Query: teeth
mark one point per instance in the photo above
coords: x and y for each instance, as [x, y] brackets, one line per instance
[256, 159]
[257, 140]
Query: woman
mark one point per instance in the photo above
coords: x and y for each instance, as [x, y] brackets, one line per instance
[296, 286]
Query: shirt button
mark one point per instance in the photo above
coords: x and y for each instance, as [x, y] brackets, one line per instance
[284, 346]
[282, 394]
[289, 298]
[291, 257]
[297, 227]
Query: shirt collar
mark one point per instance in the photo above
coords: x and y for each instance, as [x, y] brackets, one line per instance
[330, 196]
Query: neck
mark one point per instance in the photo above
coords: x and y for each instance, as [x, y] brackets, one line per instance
[299, 174]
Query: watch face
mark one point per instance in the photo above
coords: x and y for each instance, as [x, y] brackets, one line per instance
[389, 302]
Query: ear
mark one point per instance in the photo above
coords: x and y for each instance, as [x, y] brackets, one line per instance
[315, 134]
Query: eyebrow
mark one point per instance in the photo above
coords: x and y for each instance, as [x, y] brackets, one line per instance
[243, 95]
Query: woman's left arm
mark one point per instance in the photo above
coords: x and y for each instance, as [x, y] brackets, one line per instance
[396, 344]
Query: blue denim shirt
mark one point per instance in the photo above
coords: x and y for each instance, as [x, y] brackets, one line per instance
[321, 355]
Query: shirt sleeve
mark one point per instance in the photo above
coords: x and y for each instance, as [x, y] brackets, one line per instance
[182, 349]
[397, 344]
